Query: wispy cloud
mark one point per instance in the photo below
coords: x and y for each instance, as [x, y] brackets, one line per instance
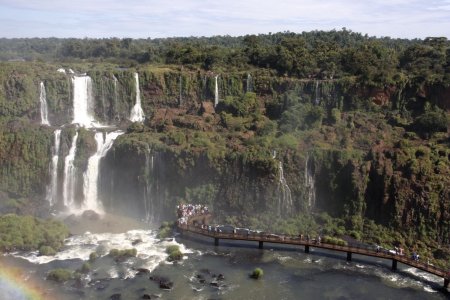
[162, 18]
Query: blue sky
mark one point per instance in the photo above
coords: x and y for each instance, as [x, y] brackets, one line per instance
[168, 18]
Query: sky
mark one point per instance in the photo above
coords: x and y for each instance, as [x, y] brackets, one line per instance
[170, 18]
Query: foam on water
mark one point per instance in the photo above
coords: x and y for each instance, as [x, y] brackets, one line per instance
[151, 250]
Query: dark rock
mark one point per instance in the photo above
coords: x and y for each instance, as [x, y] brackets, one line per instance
[206, 271]
[199, 276]
[135, 242]
[220, 277]
[202, 281]
[142, 271]
[215, 284]
[146, 296]
[116, 297]
[90, 215]
[166, 285]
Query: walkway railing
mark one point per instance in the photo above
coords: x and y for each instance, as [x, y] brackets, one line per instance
[295, 240]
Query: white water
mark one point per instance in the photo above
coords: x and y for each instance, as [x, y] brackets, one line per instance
[137, 114]
[150, 252]
[82, 101]
[317, 91]
[116, 108]
[216, 92]
[91, 176]
[149, 163]
[53, 191]
[310, 184]
[44, 107]
[249, 83]
[61, 70]
[284, 193]
[70, 174]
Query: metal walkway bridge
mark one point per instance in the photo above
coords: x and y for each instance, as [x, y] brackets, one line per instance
[295, 240]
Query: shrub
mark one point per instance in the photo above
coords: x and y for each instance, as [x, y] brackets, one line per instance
[60, 275]
[431, 122]
[334, 241]
[125, 253]
[93, 256]
[85, 268]
[174, 253]
[257, 273]
[47, 250]
[165, 231]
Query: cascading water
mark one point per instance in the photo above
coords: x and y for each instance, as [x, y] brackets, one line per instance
[70, 175]
[249, 83]
[137, 114]
[91, 176]
[285, 203]
[317, 93]
[310, 184]
[53, 190]
[116, 98]
[148, 185]
[44, 108]
[216, 92]
[82, 101]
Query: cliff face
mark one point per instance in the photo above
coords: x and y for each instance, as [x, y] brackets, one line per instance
[363, 164]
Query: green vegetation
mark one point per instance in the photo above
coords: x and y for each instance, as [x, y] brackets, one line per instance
[30, 233]
[122, 254]
[257, 273]
[333, 240]
[46, 250]
[85, 268]
[60, 275]
[165, 230]
[174, 253]
[93, 257]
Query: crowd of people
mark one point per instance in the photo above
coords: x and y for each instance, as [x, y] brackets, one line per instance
[184, 211]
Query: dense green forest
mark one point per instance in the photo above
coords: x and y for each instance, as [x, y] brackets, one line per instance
[366, 117]
[317, 54]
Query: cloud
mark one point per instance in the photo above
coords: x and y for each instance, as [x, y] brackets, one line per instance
[160, 18]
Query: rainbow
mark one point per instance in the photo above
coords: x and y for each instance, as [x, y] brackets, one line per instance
[14, 286]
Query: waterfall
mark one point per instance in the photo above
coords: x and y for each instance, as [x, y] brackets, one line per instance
[116, 109]
[316, 92]
[44, 108]
[137, 114]
[249, 83]
[310, 184]
[70, 174]
[284, 193]
[53, 190]
[82, 101]
[216, 93]
[148, 207]
[102, 85]
[91, 176]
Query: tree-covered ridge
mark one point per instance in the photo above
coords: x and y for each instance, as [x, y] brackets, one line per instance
[317, 54]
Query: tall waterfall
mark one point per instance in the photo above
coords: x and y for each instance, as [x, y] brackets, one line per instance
[137, 114]
[116, 98]
[44, 108]
[216, 93]
[53, 190]
[285, 203]
[249, 83]
[83, 105]
[91, 176]
[317, 93]
[310, 184]
[148, 189]
[70, 174]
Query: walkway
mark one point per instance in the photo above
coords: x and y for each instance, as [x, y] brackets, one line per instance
[293, 240]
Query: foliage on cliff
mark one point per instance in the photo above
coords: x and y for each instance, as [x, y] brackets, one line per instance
[30, 233]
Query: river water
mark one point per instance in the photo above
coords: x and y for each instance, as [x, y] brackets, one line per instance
[288, 272]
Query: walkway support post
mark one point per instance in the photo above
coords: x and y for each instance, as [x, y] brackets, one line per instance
[349, 256]
[394, 265]
[260, 244]
[216, 241]
[446, 282]
[306, 248]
